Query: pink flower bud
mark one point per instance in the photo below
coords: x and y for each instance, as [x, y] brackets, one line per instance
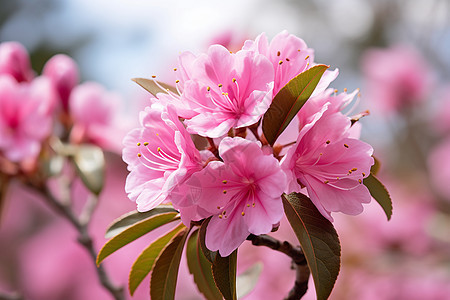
[14, 60]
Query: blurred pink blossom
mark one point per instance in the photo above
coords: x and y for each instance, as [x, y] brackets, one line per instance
[242, 193]
[25, 116]
[14, 60]
[95, 115]
[439, 168]
[63, 73]
[396, 77]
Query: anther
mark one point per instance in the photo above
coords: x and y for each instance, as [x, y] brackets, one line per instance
[208, 88]
[218, 207]
[328, 142]
[139, 155]
[280, 62]
[287, 59]
[345, 90]
[234, 80]
[326, 181]
[177, 81]
[360, 181]
[307, 56]
[248, 205]
[345, 145]
[138, 144]
[153, 76]
[278, 53]
[363, 174]
[146, 144]
[354, 169]
[224, 191]
[253, 204]
[243, 213]
[335, 90]
[220, 216]
[158, 149]
[224, 212]
[174, 69]
[224, 181]
[220, 85]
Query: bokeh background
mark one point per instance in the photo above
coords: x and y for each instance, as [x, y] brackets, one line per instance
[396, 51]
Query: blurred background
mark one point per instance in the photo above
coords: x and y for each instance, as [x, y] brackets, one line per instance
[396, 51]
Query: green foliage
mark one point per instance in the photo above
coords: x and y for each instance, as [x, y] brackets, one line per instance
[289, 100]
[131, 218]
[165, 272]
[224, 273]
[133, 232]
[144, 263]
[151, 87]
[318, 239]
[90, 164]
[200, 268]
[379, 193]
[210, 255]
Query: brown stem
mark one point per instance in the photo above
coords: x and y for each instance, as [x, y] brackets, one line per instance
[213, 148]
[83, 237]
[296, 253]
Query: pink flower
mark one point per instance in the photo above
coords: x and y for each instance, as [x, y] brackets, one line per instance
[25, 116]
[242, 193]
[225, 90]
[94, 111]
[63, 73]
[289, 56]
[160, 156]
[396, 77]
[14, 60]
[330, 164]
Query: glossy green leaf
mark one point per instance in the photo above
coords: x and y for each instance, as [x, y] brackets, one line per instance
[224, 273]
[247, 280]
[132, 233]
[90, 164]
[286, 104]
[379, 193]
[144, 263]
[165, 271]
[200, 268]
[210, 255]
[150, 86]
[318, 239]
[128, 219]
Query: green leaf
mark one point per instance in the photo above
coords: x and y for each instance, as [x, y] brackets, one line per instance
[128, 219]
[318, 239]
[200, 268]
[224, 273]
[286, 104]
[379, 193]
[144, 263]
[132, 233]
[90, 164]
[376, 166]
[210, 255]
[150, 86]
[165, 272]
[247, 280]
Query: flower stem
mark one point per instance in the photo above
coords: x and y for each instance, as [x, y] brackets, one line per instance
[297, 256]
[83, 235]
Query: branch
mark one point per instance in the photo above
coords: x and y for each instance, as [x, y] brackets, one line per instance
[83, 235]
[297, 256]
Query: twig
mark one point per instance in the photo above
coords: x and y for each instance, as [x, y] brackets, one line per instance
[213, 147]
[83, 235]
[296, 253]
[13, 296]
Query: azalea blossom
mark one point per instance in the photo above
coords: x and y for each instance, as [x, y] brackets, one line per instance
[94, 111]
[63, 73]
[225, 90]
[330, 164]
[15, 61]
[289, 56]
[160, 155]
[25, 116]
[242, 193]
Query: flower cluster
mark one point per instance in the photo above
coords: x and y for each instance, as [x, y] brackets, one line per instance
[202, 150]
